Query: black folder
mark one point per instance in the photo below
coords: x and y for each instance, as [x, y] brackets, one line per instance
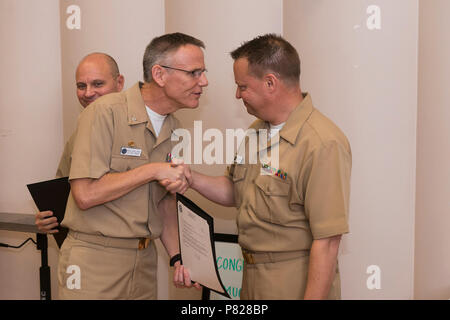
[52, 195]
[210, 222]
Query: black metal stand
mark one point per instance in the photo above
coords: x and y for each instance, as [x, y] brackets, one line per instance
[44, 270]
[25, 223]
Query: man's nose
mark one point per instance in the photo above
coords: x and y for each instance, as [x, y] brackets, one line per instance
[238, 93]
[89, 91]
[203, 80]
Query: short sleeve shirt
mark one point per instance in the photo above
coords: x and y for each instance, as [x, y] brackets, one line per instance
[110, 124]
[64, 163]
[306, 196]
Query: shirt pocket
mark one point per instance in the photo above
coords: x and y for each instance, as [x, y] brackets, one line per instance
[271, 199]
[122, 164]
[238, 181]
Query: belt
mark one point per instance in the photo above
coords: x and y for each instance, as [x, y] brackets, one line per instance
[125, 243]
[267, 257]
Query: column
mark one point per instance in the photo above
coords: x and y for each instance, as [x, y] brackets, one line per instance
[222, 26]
[432, 258]
[30, 128]
[359, 62]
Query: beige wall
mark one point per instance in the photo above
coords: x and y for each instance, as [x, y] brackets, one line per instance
[30, 127]
[122, 30]
[432, 260]
[223, 26]
[366, 81]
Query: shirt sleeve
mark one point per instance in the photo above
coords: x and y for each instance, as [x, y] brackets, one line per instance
[91, 156]
[327, 190]
[66, 158]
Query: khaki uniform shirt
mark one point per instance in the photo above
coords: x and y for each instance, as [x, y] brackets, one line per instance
[111, 122]
[307, 198]
[64, 163]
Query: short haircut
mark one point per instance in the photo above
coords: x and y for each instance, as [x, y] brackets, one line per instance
[160, 47]
[270, 53]
[113, 67]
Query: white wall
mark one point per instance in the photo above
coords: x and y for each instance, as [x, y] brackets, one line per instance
[121, 29]
[432, 261]
[222, 26]
[30, 127]
[366, 81]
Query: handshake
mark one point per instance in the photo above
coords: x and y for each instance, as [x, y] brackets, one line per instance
[175, 176]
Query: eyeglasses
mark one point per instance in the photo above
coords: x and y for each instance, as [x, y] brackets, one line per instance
[197, 73]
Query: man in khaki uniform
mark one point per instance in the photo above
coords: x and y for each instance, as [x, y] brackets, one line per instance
[290, 216]
[121, 144]
[97, 74]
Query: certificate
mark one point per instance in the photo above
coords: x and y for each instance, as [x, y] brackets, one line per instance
[196, 233]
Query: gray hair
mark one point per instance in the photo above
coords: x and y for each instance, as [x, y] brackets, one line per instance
[160, 47]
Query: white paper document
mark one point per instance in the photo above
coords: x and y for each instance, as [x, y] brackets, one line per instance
[196, 234]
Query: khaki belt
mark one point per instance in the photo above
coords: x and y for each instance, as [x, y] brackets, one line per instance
[125, 243]
[267, 257]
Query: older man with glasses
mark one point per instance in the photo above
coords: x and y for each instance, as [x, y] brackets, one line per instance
[117, 207]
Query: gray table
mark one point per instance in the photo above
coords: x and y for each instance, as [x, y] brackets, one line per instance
[25, 223]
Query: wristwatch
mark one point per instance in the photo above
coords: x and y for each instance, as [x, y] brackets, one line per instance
[174, 259]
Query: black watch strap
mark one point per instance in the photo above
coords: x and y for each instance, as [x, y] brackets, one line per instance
[174, 259]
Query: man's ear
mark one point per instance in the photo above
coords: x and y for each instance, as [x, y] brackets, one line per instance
[158, 75]
[271, 82]
[120, 82]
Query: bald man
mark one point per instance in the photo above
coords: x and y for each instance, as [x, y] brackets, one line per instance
[97, 74]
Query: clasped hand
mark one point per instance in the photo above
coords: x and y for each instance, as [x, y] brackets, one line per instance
[176, 178]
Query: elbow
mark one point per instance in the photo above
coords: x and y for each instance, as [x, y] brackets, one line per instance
[231, 198]
[226, 200]
[83, 205]
[230, 203]
[82, 202]
[334, 242]
[328, 245]
[81, 196]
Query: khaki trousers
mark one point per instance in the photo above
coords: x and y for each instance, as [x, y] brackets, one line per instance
[284, 280]
[89, 270]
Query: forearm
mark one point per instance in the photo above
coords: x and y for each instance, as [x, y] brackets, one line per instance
[169, 235]
[217, 189]
[322, 266]
[92, 192]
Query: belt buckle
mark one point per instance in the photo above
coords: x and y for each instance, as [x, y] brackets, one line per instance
[143, 243]
[248, 257]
